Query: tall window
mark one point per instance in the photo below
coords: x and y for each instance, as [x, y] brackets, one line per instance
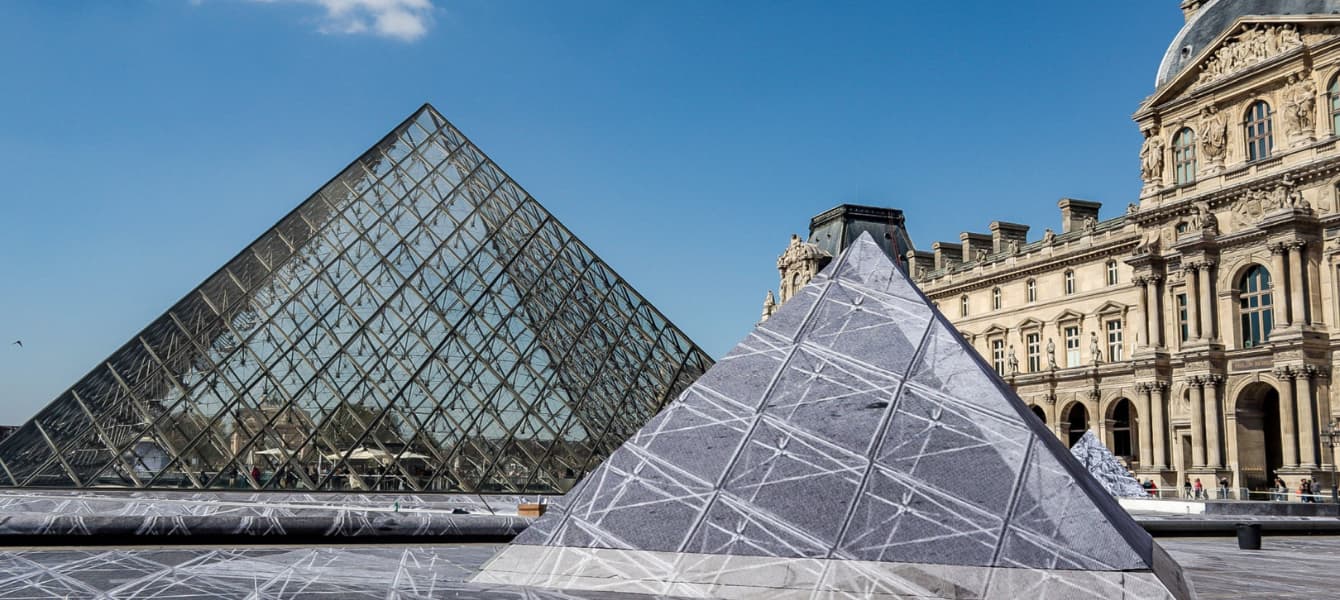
[1182, 320]
[995, 299]
[1184, 155]
[1072, 346]
[1112, 274]
[963, 306]
[998, 355]
[1032, 286]
[1034, 344]
[1255, 305]
[1114, 341]
[1069, 283]
[1260, 142]
[1334, 93]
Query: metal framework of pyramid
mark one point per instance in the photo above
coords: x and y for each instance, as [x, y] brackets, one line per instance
[852, 446]
[419, 323]
[1105, 468]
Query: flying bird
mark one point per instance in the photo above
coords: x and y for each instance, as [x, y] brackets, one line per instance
[18, 343]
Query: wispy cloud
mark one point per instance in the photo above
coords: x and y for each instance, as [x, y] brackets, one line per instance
[404, 20]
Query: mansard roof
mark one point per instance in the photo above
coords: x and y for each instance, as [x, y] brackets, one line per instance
[1217, 16]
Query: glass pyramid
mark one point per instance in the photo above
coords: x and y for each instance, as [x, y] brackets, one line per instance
[420, 323]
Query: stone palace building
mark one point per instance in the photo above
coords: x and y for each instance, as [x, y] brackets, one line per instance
[1197, 332]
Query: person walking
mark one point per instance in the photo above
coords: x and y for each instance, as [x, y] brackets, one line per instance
[1223, 488]
[1281, 490]
[1200, 490]
[1186, 488]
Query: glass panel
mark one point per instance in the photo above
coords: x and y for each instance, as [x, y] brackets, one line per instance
[420, 323]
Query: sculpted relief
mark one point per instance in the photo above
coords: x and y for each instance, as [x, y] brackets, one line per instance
[1151, 159]
[1300, 108]
[1255, 204]
[1253, 45]
[1213, 138]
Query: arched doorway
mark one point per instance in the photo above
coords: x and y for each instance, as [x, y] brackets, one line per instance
[1122, 428]
[1076, 423]
[1260, 449]
[1042, 414]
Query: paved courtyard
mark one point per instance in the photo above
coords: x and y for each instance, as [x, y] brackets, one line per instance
[1287, 567]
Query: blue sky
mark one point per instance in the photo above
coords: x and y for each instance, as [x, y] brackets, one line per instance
[142, 144]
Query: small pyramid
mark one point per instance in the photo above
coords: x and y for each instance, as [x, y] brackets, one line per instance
[1105, 468]
[851, 446]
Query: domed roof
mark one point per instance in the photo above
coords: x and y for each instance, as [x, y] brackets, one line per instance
[1218, 15]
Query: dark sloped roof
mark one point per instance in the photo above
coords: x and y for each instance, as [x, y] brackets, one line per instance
[1218, 15]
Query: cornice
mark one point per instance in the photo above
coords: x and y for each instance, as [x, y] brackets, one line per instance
[1302, 174]
[1108, 248]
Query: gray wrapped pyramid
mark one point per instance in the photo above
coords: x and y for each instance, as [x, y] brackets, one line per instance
[851, 446]
[1105, 468]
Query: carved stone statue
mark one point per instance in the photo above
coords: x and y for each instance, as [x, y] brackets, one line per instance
[1090, 224]
[1151, 159]
[1213, 138]
[1150, 244]
[1013, 362]
[1013, 246]
[769, 306]
[1095, 349]
[1048, 236]
[1051, 354]
[1300, 108]
[1250, 208]
[1132, 208]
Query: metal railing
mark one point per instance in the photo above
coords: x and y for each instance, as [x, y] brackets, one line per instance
[1169, 493]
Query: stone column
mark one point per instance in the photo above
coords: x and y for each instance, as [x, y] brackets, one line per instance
[1156, 302]
[1307, 430]
[1146, 423]
[1157, 390]
[1197, 422]
[1192, 279]
[1279, 285]
[1147, 326]
[1210, 396]
[1206, 300]
[1288, 427]
[1297, 292]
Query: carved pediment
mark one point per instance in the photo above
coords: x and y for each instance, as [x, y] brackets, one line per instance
[1252, 45]
[1029, 323]
[1250, 41]
[1111, 308]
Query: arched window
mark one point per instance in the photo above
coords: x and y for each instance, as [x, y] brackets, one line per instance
[1041, 414]
[1032, 287]
[1122, 432]
[1255, 304]
[1333, 92]
[963, 306]
[1078, 423]
[1112, 274]
[995, 299]
[1260, 142]
[1184, 155]
[1069, 283]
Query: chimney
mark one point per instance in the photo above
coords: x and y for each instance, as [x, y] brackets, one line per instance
[1075, 212]
[974, 243]
[947, 254]
[920, 262]
[1003, 233]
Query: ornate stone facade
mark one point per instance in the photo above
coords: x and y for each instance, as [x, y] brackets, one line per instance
[1196, 332]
